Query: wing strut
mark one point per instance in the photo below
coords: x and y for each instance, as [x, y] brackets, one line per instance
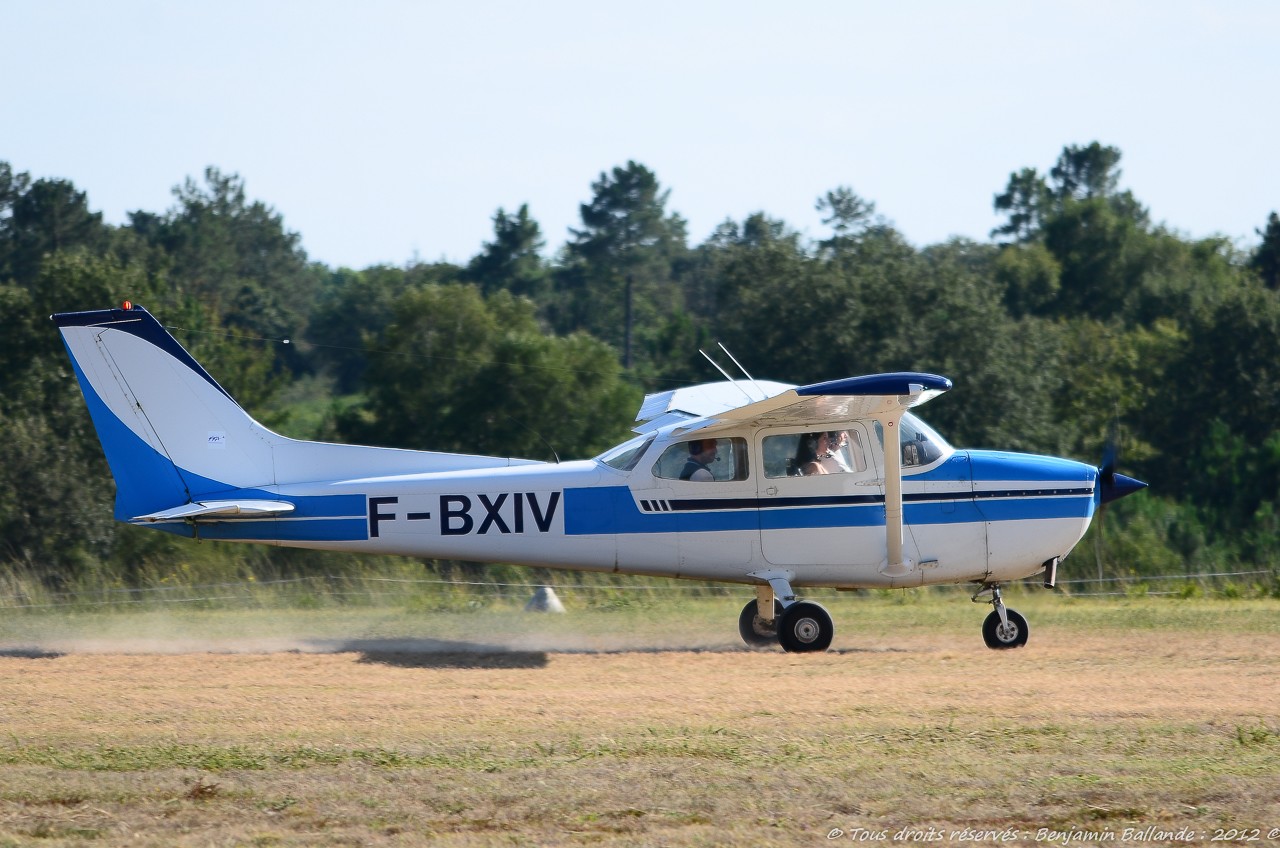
[895, 565]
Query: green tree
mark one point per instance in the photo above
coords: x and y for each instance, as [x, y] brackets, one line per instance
[354, 307]
[1030, 277]
[234, 256]
[848, 215]
[1093, 232]
[1025, 201]
[55, 510]
[462, 373]
[1086, 172]
[41, 218]
[1266, 259]
[767, 290]
[513, 261]
[1224, 371]
[619, 276]
[1097, 251]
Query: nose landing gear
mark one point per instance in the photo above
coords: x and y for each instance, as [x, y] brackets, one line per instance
[1004, 628]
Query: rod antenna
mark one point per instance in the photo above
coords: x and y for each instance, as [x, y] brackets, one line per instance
[726, 375]
[763, 396]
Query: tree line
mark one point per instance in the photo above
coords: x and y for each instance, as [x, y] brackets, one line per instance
[1079, 323]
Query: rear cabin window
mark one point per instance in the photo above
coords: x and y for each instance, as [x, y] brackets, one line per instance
[695, 461]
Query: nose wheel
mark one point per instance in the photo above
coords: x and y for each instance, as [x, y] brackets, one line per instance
[1003, 628]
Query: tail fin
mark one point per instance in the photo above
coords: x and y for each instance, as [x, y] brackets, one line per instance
[173, 436]
[169, 431]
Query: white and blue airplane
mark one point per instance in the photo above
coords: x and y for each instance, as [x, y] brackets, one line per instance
[773, 486]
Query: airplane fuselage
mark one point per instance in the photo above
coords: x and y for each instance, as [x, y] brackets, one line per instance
[969, 516]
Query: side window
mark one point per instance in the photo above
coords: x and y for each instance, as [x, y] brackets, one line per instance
[704, 460]
[811, 454]
[779, 455]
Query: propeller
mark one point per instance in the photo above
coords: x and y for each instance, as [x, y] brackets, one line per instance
[1111, 487]
[1114, 486]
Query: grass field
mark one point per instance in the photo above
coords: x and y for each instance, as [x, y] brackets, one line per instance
[1122, 722]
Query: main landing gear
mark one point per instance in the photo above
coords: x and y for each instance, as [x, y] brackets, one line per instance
[777, 617]
[798, 626]
[1004, 628]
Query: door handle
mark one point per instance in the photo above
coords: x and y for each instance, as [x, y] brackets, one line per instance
[771, 491]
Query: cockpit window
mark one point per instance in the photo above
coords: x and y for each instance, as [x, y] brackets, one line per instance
[703, 460]
[625, 456]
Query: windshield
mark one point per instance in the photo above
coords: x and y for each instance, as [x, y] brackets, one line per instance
[625, 456]
[921, 444]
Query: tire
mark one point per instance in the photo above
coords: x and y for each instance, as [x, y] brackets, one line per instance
[1000, 638]
[755, 631]
[805, 626]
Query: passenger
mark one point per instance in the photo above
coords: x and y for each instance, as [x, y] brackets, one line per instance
[834, 461]
[809, 453]
[702, 452]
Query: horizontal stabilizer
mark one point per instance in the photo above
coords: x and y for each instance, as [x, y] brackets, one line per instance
[203, 511]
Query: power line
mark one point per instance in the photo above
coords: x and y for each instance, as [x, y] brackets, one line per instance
[333, 586]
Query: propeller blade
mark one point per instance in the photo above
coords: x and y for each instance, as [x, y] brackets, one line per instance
[1109, 454]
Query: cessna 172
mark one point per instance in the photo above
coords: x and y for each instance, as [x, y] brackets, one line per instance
[774, 486]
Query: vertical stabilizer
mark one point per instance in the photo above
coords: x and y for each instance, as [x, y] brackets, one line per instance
[170, 432]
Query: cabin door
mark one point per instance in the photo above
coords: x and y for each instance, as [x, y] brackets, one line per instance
[821, 499]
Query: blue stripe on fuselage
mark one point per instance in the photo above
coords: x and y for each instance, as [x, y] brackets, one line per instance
[613, 509]
[275, 530]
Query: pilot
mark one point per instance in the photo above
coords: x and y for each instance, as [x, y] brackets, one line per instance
[702, 452]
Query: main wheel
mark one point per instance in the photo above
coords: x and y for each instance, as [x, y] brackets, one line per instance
[805, 626]
[757, 632]
[1001, 636]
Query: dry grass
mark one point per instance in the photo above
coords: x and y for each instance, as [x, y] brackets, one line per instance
[1115, 716]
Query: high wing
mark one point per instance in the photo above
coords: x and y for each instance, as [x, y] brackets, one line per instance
[707, 400]
[718, 406]
[825, 406]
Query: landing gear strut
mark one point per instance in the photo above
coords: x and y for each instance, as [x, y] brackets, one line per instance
[1004, 628]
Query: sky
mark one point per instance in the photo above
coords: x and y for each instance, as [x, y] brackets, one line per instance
[389, 132]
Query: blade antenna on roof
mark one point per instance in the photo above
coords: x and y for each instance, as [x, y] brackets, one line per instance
[743, 370]
[726, 374]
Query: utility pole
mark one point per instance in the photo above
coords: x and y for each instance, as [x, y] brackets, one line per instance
[626, 339]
